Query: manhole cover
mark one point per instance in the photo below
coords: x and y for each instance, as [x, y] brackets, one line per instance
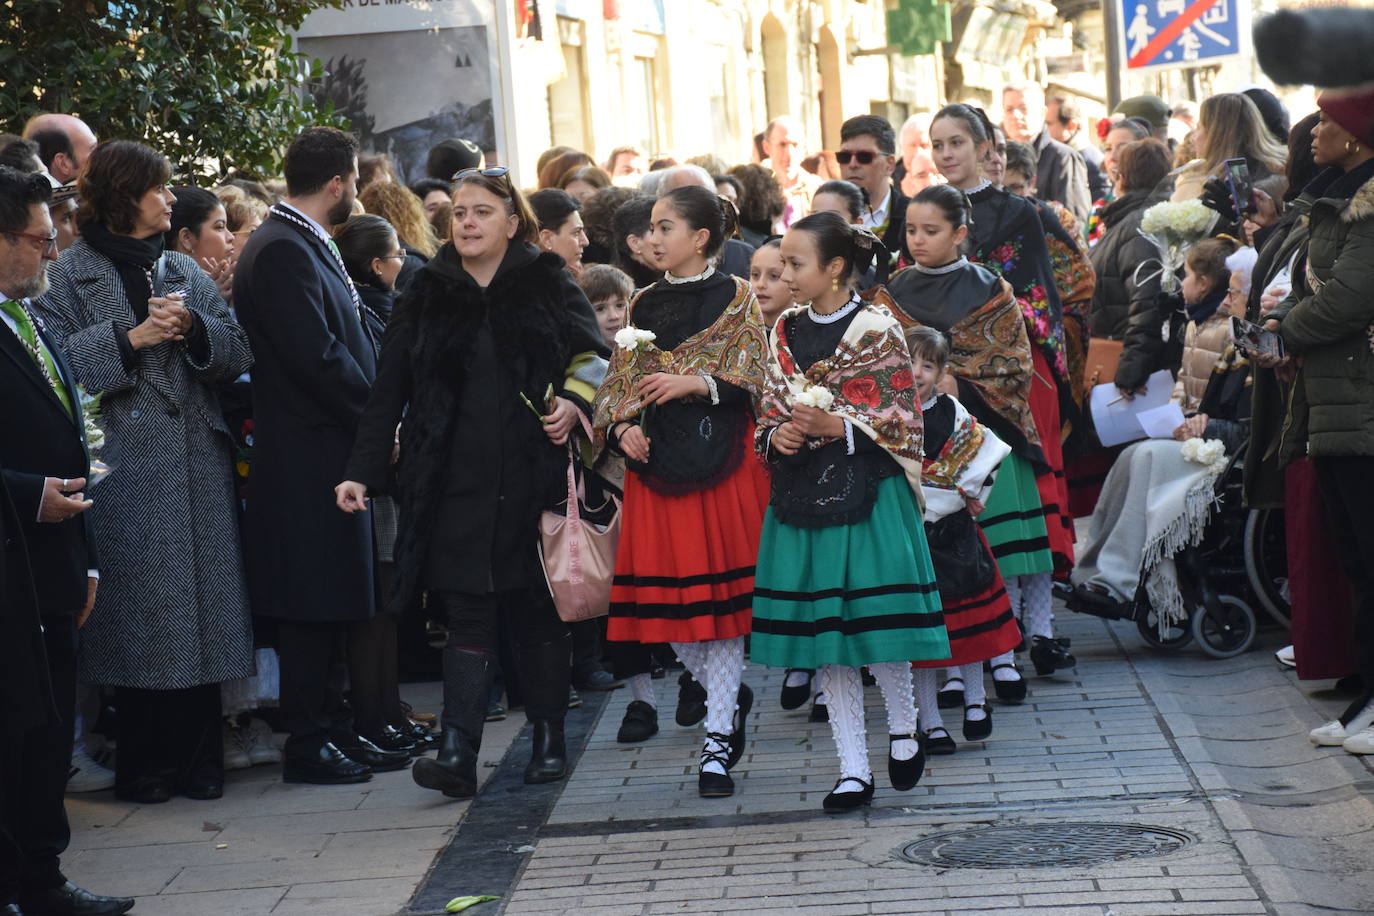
[1044, 846]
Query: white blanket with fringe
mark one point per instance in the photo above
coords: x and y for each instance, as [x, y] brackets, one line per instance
[1153, 504]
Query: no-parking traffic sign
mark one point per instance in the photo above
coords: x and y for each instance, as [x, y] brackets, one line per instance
[1159, 34]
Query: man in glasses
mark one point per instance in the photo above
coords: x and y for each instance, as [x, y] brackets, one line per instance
[867, 156]
[43, 452]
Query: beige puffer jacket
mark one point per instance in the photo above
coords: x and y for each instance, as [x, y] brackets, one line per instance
[1202, 346]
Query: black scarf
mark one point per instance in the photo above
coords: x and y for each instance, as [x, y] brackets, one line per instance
[1201, 311]
[132, 257]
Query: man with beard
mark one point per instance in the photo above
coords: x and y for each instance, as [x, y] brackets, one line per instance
[309, 565]
[43, 452]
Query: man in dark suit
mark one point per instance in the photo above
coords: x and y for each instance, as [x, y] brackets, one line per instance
[867, 156]
[1061, 175]
[1064, 121]
[44, 437]
[310, 566]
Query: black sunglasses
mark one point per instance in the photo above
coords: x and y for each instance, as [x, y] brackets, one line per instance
[863, 156]
[499, 171]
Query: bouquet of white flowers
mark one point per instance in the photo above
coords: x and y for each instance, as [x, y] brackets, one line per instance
[815, 396]
[1173, 228]
[628, 338]
[95, 436]
[1210, 452]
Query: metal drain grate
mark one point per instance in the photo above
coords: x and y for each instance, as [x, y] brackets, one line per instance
[1044, 846]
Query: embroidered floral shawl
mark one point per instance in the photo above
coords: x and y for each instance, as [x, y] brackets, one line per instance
[1075, 279]
[991, 350]
[734, 348]
[870, 377]
[968, 458]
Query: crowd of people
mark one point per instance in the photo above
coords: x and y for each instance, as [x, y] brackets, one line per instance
[830, 412]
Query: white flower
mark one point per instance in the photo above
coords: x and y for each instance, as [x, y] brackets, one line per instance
[1210, 452]
[630, 338]
[1179, 218]
[1190, 448]
[816, 396]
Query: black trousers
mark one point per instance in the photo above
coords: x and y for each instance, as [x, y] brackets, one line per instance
[1347, 485]
[173, 735]
[314, 671]
[33, 778]
[472, 619]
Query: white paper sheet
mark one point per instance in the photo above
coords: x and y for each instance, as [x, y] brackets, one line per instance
[1117, 419]
[1160, 422]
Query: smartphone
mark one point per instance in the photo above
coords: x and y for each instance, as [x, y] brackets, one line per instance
[1238, 180]
[1254, 340]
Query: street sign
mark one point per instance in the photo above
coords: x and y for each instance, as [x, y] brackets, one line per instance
[1161, 34]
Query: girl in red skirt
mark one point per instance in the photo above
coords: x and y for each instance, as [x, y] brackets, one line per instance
[678, 402]
[961, 457]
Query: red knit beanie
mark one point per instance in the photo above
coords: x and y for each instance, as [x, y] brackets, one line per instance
[1352, 109]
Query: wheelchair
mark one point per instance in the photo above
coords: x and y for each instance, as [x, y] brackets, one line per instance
[1240, 564]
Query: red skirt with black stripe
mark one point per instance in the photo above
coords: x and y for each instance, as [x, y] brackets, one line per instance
[1051, 484]
[980, 626]
[684, 569]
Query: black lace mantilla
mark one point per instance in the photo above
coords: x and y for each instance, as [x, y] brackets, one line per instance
[826, 487]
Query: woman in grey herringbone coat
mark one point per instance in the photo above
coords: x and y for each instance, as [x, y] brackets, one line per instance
[150, 334]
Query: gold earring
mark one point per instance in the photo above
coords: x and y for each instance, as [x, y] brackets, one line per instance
[834, 284]
[698, 251]
[1352, 147]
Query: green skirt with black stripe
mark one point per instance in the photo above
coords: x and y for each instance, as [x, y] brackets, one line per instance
[849, 594]
[1014, 522]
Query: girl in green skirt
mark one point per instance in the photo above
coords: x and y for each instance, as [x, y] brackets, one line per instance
[844, 577]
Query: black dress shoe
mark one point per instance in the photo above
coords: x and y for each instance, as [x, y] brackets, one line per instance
[951, 697]
[321, 764]
[360, 750]
[598, 680]
[794, 697]
[1012, 693]
[819, 713]
[640, 723]
[839, 803]
[691, 701]
[977, 729]
[392, 739]
[147, 790]
[745, 701]
[939, 743]
[203, 789]
[70, 900]
[1050, 655]
[904, 774]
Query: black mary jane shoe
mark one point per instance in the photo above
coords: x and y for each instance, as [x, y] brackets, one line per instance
[794, 697]
[640, 723]
[715, 785]
[691, 701]
[904, 774]
[745, 702]
[820, 712]
[939, 743]
[69, 900]
[1011, 693]
[951, 697]
[978, 729]
[1050, 655]
[840, 802]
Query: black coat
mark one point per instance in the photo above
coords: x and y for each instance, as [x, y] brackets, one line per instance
[26, 699]
[1061, 176]
[1126, 300]
[315, 364]
[476, 468]
[43, 439]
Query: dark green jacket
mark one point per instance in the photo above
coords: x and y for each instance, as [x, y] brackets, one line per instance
[1328, 323]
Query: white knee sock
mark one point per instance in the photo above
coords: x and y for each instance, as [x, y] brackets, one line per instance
[1013, 586]
[975, 691]
[894, 679]
[642, 687]
[1038, 595]
[716, 665]
[693, 657]
[1004, 674]
[845, 694]
[924, 681]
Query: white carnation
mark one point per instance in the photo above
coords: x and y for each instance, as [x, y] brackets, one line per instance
[1190, 448]
[816, 396]
[630, 338]
[1210, 452]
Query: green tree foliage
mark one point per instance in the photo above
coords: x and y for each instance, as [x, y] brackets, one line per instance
[213, 85]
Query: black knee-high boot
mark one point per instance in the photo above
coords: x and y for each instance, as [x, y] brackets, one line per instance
[547, 671]
[467, 681]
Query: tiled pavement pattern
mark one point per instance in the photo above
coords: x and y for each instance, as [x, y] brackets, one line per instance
[1217, 749]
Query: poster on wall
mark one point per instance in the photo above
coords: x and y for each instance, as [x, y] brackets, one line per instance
[407, 75]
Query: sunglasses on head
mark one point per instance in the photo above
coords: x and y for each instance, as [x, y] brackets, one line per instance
[494, 172]
[863, 156]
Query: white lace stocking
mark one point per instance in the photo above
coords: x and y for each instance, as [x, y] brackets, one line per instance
[925, 679]
[642, 687]
[1038, 596]
[844, 692]
[894, 679]
[975, 691]
[718, 666]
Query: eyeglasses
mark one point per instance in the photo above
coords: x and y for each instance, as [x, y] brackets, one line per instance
[49, 241]
[391, 257]
[499, 171]
[863, 156]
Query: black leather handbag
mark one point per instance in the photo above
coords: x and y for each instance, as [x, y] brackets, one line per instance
[963, 566]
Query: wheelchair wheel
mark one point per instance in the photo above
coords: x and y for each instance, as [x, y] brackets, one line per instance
[1266, 561]
[1175, 637]
[1226, 632]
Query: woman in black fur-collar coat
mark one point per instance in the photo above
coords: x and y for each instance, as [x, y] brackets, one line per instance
[486, 329]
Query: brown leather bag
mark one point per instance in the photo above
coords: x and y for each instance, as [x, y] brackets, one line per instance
[1100, 366]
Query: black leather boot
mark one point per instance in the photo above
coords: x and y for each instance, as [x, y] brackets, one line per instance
[547, 670]
[467, 684]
